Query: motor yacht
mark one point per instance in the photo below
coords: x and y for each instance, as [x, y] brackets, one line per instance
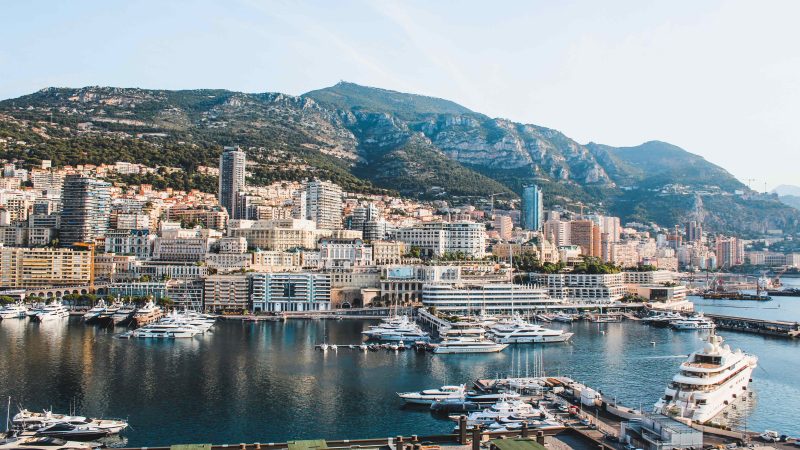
[662, 319]
[429, 396]
[519, 332]
[50, 312]
[94, 313]
[709, 380]
[74, 432]
[503, 409]
[401, 329]
[146, 313]
[467, 344]
[124, 314]
[16, 311]
[564, 318]
[166, 330]
[695, 322]
[31, 421]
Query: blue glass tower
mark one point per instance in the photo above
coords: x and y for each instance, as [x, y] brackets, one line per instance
[532, 207]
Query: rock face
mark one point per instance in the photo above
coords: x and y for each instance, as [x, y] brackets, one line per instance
[367, 138]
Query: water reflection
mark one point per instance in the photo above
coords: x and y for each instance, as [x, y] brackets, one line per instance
[266, 382]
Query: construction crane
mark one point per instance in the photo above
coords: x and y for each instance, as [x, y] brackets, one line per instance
[579, 204]
[750, 181]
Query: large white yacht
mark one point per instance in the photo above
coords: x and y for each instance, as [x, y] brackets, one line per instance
[51, 311]
[124, 314]
[708, 381]
[147, 313]
[32, 421]
[399, 328]
[695, 322]
[469, 344]
[504, 409]
[166, 330]
[94, 313]
[430, 396]
[16, 311]
[518, 331]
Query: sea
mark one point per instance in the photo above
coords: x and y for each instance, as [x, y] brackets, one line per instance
[266, 382]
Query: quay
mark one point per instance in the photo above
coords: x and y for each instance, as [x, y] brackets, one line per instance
[776, 328]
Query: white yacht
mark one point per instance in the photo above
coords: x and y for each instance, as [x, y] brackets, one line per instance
[147, 313]
[396, 329]
[708, 381]
[51, 311]
[519, 331]
[504, 409]
[166, 330]
[123, 314]
[201, 321]
[468, 344]
[94, 313]
[429, 396]
[695, 322]
[31, 421]
[16, 311]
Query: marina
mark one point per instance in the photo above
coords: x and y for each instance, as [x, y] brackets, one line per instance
[250, 374]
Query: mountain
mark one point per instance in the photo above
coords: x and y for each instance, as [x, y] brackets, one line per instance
[788, 195]
[376, 140]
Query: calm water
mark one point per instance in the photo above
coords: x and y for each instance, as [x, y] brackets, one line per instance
[265, 383]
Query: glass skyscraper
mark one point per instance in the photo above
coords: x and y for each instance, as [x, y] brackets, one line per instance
[532, 207]
[86, 209]
[231, 179]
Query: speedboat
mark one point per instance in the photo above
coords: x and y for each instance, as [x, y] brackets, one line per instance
[396, 329]
[75, 432]
[662, 319]
[695, 322]
[51, 311]
[519, 331]
[94, 313]
[430, 396]
[709, 380]
[503, 409]
[16, 311]
[565, 318]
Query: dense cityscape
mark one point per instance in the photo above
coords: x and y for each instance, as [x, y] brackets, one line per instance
[399, 225]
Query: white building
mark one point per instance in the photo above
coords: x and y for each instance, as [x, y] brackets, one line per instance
[290, 292]
[344, 253]
[138, 243]
[324, 204]
[504, 298]
[439, 238]
[583, 288]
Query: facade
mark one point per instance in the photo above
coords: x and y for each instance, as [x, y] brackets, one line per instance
[532, 208]
[386, 253]
[278, 292]
[586, 234]
[231, 178]
[86, 209]
[504, 227]
[280, 235]
[22, 267]
[652, 277]
[694, 231]
[184, 245]
[730, 251]
[226, 293]
[138, 243]
[505, 298]
[439, 238]
[324, 204]
[276, 261]
[344, 253]
[401, 284]
[583, 288]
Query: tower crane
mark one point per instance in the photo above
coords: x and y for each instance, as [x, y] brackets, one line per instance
[491, 197]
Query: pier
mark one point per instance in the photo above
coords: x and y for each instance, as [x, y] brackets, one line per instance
[776, 328]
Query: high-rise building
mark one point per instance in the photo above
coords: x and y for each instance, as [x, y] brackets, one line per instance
[231, 178]
[504, 227]
[730, 251]
[694, 231]
[532, 207]
[324, 204]
[86, 209]
[586, 234]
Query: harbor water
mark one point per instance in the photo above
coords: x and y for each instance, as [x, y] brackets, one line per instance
[265, 382]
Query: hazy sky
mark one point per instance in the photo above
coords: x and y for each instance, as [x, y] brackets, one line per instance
[721, 79]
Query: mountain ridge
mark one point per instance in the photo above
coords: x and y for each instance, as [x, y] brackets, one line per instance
[372, 139]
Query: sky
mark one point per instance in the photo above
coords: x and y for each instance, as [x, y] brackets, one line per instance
[718, 78]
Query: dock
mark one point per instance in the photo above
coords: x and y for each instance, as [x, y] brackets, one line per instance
[776, 328]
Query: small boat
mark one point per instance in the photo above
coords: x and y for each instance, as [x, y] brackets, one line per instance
[363, 347]
[565, 318]
[770, 436]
